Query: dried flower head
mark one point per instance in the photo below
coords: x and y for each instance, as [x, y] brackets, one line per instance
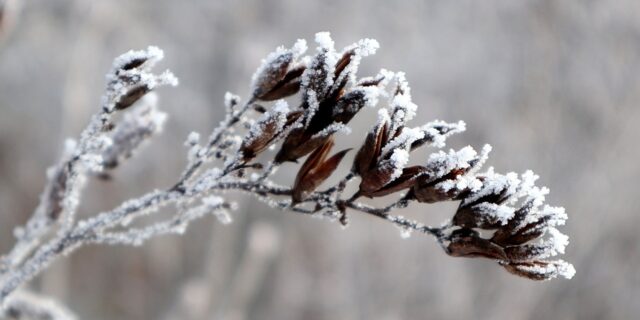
[280, 74]
[501, 217]
[330, 97]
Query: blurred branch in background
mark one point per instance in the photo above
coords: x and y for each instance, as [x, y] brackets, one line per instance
[8, 12]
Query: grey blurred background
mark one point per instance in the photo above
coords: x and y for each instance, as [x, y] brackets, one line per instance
[554, 86]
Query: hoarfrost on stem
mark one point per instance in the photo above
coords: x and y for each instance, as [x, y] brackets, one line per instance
[523, 231]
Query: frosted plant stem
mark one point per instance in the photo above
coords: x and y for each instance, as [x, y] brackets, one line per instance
[92, 230]
[28, 305]
[523, 232]
[231, 119]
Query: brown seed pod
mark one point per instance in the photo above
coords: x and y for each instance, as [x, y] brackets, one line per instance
[133, 94]
[315, 170]
[272, 72]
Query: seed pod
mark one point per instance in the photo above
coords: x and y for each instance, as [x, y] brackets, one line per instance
[408, 178]
[540, 270]
[299, 143]
[272, 71]
[289, 85]
[513, 233]
[370, 149]
[348, 105]
[468, 243]
[315, 170]
[267, 130]
[133, 94]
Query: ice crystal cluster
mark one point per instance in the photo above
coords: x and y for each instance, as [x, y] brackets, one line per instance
[298, 103]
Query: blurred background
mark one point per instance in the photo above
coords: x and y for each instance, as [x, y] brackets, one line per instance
[553, 86]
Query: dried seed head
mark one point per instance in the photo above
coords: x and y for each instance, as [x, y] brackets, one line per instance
[524, 236]
[276, 72]
[328, 101]
[522, 233]
[484, 207]
[130, 78]
[264, 132]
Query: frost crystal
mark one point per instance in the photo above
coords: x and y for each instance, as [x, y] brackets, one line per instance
[399, 159]
[324, 41]
[192, 139]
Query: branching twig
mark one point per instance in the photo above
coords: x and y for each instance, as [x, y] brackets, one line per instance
[524, 231]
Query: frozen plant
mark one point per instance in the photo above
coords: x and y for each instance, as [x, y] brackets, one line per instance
[501, 217]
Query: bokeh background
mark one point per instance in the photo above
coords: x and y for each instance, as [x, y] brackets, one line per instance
[554, 86]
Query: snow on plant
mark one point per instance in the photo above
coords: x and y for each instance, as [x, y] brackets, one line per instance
[519, 233]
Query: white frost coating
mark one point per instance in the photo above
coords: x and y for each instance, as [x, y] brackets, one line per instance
[312, 102]
[324, 41]
[367, 47]
[121, 81]
[403, 141]
[299, 48]
[553, 269]
[213, 201]
[399, 159]
[400, 105]
[28, 305]
[192, 139]
[383, 116]
[554, 216]
[405, 233]
[495, 212]
[70, 146]
[326, 44]
[275, 60]
[272, 61]
[387, 76]
[482, 158]
[230, 100]
[331, 129]
[405, 107]
[166, 78]
[152, 55]
[214, 204]
[433, 131]
[281, 106]
[277, 115]
[135, 128]
[360, 49]
[91, 163]
[460, 183]
[557, 240]
[371, 95]
[565, 269]
[495, 183]
[441, 163]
